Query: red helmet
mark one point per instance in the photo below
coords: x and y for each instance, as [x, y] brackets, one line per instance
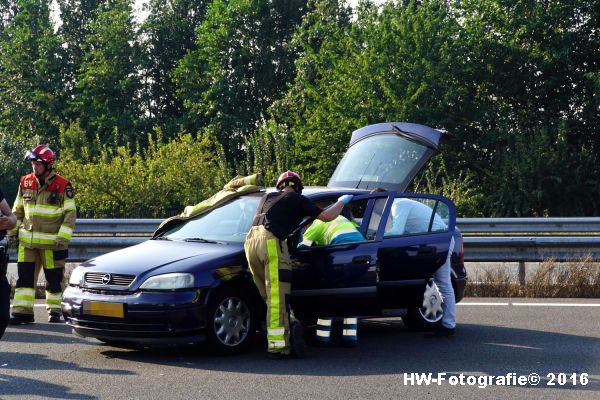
[41, 153]
[290, 178]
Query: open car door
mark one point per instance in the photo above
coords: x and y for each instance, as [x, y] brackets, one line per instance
[415, 235]
[340, 280]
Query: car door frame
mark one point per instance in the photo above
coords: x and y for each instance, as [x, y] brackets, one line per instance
[405, 289]
[344, 296]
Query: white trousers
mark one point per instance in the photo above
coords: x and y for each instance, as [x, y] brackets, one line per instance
[444, 283]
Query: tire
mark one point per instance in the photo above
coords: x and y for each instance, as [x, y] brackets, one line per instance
[429, 316]
[231, 322]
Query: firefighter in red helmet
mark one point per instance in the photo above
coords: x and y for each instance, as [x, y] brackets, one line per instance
[277, 215]
[45, 210]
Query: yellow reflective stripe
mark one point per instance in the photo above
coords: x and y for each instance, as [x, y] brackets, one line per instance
[24, 297]
[24, 291]
[49, 258]
[21, 254]
[34, 237]
[23, 303]
[44, 211]
[65, 232]
[276, 344]
[69, 205]
[274, 283]
[53, 298]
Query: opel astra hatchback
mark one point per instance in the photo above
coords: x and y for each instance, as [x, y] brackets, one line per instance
[190, 282]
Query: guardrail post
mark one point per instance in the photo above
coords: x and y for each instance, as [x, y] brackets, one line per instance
[522, 272]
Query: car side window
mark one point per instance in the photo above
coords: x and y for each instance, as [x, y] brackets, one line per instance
[375, 219]
[415, 215]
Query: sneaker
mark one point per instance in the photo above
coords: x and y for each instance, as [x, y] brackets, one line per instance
[441, 332]
[297, 339]
[20, 319]
[54, 317]
[280, 356]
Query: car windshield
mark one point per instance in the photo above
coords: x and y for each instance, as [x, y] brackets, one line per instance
[386, 161]
[228, 223]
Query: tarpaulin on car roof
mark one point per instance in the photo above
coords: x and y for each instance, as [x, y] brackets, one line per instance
[236, 187]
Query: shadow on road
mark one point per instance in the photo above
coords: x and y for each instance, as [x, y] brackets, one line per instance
[387, 347]
[32, 387]
[28, 387]
[41, 333]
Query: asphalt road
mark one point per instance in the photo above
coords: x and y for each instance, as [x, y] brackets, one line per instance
[495, 338]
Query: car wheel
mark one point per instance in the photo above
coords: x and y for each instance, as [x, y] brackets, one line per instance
[429, 316]
[231, 320]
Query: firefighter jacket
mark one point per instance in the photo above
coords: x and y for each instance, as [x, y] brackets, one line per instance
[45, 212]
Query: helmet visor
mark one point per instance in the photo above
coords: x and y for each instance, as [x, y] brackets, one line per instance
[32, 156]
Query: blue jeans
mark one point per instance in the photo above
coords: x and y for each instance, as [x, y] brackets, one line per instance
[444, 283]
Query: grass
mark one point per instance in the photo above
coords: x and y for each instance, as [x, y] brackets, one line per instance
[578, 278]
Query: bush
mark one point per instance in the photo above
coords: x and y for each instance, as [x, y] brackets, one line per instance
[156, 182]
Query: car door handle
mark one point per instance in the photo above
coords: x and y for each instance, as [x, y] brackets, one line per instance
[361, 260]
[422, 250]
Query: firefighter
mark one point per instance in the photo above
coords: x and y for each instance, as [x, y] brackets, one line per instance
[339, 231]
[277, 215]
[46, 214]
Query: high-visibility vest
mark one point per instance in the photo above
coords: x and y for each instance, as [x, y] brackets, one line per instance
[334, 232]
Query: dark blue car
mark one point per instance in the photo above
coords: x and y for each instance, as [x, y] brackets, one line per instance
[190, 283]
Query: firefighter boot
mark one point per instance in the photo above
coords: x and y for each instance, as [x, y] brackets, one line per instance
[297, 339]
[54, 317]
[20, 319]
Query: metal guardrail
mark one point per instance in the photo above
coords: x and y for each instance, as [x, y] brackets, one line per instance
[486, 239]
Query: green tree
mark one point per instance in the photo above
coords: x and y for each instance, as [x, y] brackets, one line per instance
[108, 83]
[76, 17]
[167, 34]
[534, 63]
[31, 96]
[398, 63]
[242, 62]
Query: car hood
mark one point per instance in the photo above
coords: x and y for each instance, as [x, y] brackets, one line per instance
[386, 155]
[154, 257]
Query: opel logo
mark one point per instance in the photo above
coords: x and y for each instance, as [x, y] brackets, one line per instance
[106, 279]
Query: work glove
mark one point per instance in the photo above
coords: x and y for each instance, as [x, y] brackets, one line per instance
[346, 198]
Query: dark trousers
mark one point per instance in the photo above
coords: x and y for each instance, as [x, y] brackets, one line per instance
[4, 303]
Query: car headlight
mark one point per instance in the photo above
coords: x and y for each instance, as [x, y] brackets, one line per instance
[76, 276]
[169, 282]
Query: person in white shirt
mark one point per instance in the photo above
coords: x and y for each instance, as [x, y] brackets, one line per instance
[412, 217]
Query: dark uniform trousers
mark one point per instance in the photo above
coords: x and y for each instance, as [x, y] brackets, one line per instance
[29, 263]
[270, 265]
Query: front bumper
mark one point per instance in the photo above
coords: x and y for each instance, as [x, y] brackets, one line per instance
[148, 318]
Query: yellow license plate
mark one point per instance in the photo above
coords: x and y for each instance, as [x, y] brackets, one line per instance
[104, 309]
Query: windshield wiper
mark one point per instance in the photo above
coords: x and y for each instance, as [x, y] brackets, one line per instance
[202, 240]
[161, 238]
